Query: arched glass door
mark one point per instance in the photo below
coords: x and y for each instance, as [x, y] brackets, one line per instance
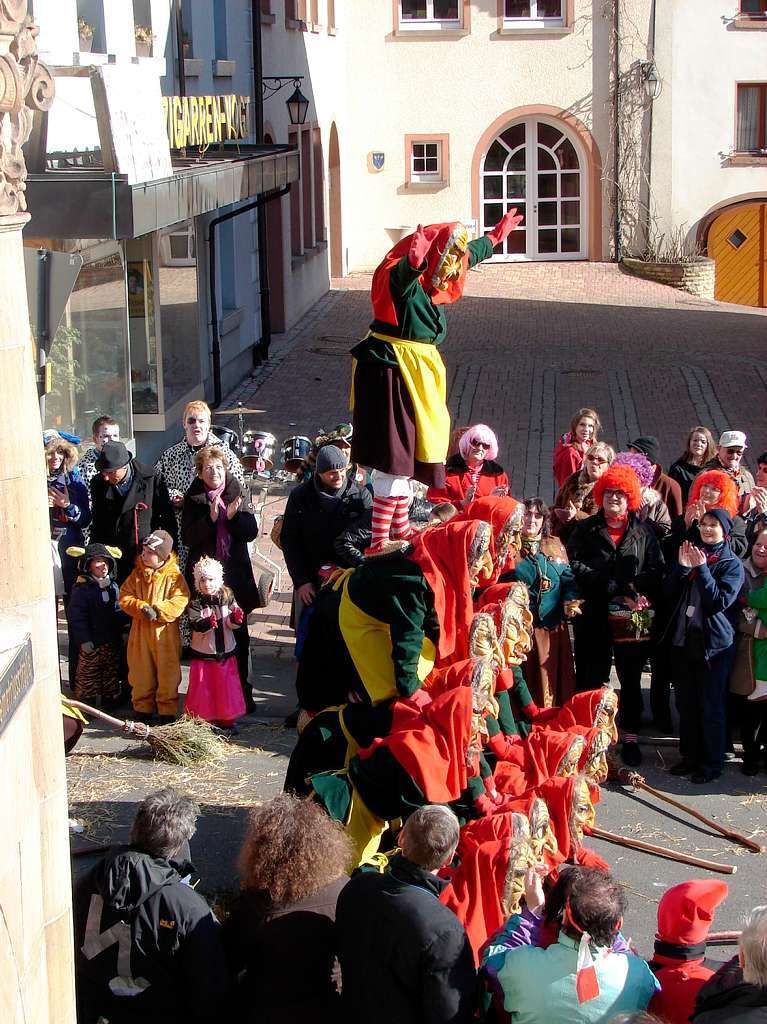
[535, 166]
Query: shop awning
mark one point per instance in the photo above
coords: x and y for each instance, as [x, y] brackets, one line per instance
[93, 203]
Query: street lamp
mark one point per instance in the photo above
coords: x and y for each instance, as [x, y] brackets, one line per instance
[297, 103]
[651, 79]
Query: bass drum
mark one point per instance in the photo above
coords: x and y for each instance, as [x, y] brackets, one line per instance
[258, 451]
[295, 451]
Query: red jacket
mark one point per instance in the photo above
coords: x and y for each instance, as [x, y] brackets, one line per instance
[458, 479]
[568, 459]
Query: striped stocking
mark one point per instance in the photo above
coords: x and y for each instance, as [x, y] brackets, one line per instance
[383, 512]
[400, 524]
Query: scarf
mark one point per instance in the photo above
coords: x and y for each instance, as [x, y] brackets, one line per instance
[530, 545]
[223, 540]
[328, 499]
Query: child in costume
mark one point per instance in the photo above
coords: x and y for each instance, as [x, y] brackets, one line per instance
[399, 391]
[215, 693]
[155, 596]
[95, 624]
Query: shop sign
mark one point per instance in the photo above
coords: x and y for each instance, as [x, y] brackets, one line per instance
[16, 678]
[205, 120]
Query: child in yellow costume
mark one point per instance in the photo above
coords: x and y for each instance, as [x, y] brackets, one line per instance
[155, 596]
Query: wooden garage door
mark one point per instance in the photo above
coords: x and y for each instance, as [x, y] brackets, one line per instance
[736, 240]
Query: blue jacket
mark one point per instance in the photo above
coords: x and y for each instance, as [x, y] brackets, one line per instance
[718, 586]
[94, 614]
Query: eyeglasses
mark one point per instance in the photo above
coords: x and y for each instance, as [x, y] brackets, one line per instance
[478, 444]
[614, 494]
[596, 460]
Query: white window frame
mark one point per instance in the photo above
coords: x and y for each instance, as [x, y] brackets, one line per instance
[533, 21]
[426, 177]
[430, 23]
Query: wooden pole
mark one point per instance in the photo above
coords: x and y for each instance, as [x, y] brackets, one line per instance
[661, 851]
[638, 782]
[138, 729]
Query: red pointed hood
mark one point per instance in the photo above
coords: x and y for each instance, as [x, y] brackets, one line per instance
[430, 743]
[442, 552]
[686, 911]
[380, 292]
[558, 794]
[497, 511]
[475, 892]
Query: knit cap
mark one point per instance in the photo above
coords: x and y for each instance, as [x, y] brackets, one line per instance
[161, 543]
[724, 518]
[329, 457]
[649, 446]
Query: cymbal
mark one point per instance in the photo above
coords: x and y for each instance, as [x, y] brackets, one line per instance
[234, 412]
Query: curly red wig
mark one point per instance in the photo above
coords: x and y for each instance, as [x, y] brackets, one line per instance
[619, 478]
[721, 480]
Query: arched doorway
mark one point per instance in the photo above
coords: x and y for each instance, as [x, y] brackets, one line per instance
[334, 205]
[737, 240]
[274, 259]
[537, 164]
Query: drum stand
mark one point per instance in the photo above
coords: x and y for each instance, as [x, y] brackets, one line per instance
[259, 504]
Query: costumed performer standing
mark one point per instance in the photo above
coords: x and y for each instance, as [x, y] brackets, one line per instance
[399, 389]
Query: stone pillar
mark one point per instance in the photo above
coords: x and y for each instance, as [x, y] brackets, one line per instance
[36, 968]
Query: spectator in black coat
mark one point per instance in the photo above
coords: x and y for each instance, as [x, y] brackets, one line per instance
[616, 560]
[218, 520]
[281, 932]
[148, 950]
[318, 510]
[404, 956]
[738, 990]
[129, 501]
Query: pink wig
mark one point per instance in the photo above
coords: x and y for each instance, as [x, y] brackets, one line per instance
[479, 432]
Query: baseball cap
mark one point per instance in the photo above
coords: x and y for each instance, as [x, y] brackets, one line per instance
[733, 439]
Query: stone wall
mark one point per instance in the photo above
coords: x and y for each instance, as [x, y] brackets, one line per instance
[697, 278]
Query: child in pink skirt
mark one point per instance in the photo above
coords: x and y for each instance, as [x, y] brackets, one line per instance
[215, 693]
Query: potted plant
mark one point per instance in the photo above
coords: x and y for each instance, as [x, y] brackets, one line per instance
[144, 40]
[85, 32]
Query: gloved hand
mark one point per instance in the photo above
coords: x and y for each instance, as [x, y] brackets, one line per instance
[505, 226]
[489, 783]
[501, 745]
[148, 612]
[485, 805]
[237, 615]
[419, 246]
[212, 621]
[88, 647]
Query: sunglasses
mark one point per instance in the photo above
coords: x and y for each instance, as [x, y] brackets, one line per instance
[596, 459]
[478, 444]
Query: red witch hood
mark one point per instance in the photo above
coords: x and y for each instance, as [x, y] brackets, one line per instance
[440, 680]
[558, 794]
[475, 892]
[579, 710]
[532, 762]
[686, 911]
[430, 743]
[497, 511]
[442, 553]
[380, 292]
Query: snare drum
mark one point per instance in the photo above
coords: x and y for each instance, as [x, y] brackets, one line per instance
[295, 450]
[257, 450]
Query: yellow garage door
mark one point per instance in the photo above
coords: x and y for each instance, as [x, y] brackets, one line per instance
[736, 241]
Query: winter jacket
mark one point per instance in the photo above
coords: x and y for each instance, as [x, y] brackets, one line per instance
[218, 643]
[537, 986]
[163, 588]
[404, 956]
[717, 587]
[125, 520]
[148, 950]
[604, 572]
[670, 492]
[67, 524]
[680, 532]
[684, 473]
[458, 479]
[93, 612]
[265, 943]
[727, 999]
[312, 523]
[568, 458]
[198, 535]
[654, 512]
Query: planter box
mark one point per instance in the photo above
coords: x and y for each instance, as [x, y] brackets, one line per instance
[86, 45]
[697, 278]
[143, 49]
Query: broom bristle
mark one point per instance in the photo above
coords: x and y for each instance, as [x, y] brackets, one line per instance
[187, 742]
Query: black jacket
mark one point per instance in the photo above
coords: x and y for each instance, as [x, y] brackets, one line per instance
[198, 533]
[726, 998]
[604, 572]
[291, 975]
[684, 473]
[311, 525]
[94, 613]
[404, 956]
[138, 926]
[115, 517]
